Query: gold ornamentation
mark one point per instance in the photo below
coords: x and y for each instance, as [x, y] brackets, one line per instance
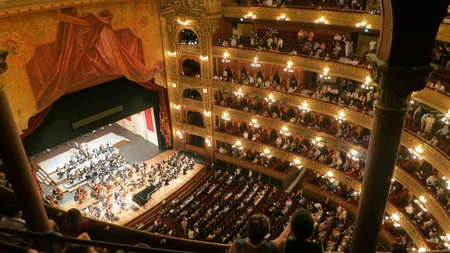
[13, 42]
[433, 98]
[409, 228]
[396, 84]
[196, 105]
[304, 15]
[443, 33]
[186, 7]
[301, 62]
[417, 189]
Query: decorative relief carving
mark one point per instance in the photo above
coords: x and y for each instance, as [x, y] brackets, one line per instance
[430, 154]
[443, 33]
[249, 165]
[184, 7]
[191, 82]
[434, 99]
[188, 49]
[307, 186]
[301, 62]
[396, 84]
[350, 19]
[12, 8]
[191, 129]
[196, 105]
[409, 228]
[197, 150]
[417, 189]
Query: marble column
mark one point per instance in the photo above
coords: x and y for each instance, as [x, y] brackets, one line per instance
[17, 165]
[395, 86]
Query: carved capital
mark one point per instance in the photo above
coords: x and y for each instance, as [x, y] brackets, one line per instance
[396, 84]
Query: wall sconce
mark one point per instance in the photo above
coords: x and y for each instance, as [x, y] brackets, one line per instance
[325, 74]
[318, 142]
[255, 63]
[446, 118]
[285, 131]
[282, 17]
[225, 57]
[206, 113]
[183, 23]
[363, 25]
[225, 116]
[304, 107]
[179, 134]
[178, 107]
[321, 20]
[239, 93]
[250, 15]
[254, 123]
[174, 85]
[208, 142]
[171, 54]
[270, 99]
[289, 67]
[238, 145]
[416, 152]
[420, 202]
[203, 58]
[367, 85]
[205, 90]
[341, 117]
[353, 155]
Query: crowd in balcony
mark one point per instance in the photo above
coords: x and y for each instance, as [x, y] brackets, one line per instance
[308, 43]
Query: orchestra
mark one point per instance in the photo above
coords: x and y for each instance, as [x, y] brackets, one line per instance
[107, 174]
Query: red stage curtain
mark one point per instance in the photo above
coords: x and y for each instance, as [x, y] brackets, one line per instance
[88, 52]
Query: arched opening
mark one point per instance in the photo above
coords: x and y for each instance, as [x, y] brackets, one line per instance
[195, 118]
[192, 94]
[190, 67]
[187, 37]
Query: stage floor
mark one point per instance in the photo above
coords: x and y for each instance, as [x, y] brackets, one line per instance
[133, 148]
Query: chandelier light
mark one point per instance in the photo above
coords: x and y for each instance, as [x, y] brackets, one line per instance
[321, 20]
[340, 117]
[304, 107]
[289, 67]
[255, 63]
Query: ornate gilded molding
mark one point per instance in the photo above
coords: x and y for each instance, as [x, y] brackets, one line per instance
[443, 33]
[182, 7]
[197, 150]
[364, 120]
[307, 186]
[282, 154]
[191, 82]
[300, 62]
[191, 129]
[408, 226]
[395, 85]
[188, 49]
[249, 165]
[338, 18]
[12, 8]
[293, 128]
[193, 104]
[434, 99]
[417, 189]
[430, 154]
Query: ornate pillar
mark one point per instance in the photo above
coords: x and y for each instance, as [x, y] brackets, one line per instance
[16, 162]
[395, 86]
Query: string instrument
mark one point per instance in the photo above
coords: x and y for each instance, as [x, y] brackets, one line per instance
[59, 193]
[80, 196]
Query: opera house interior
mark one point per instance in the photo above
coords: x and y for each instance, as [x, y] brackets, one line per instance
[167, 124]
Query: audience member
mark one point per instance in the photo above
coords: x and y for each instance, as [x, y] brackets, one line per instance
[258, 227]
[302, 226]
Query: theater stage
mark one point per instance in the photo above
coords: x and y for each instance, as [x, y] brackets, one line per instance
[133, 148]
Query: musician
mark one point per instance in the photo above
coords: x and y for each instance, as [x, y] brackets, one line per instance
[60, 172]
[57, 193]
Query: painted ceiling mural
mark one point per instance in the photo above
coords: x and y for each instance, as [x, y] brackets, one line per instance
[53, 53]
